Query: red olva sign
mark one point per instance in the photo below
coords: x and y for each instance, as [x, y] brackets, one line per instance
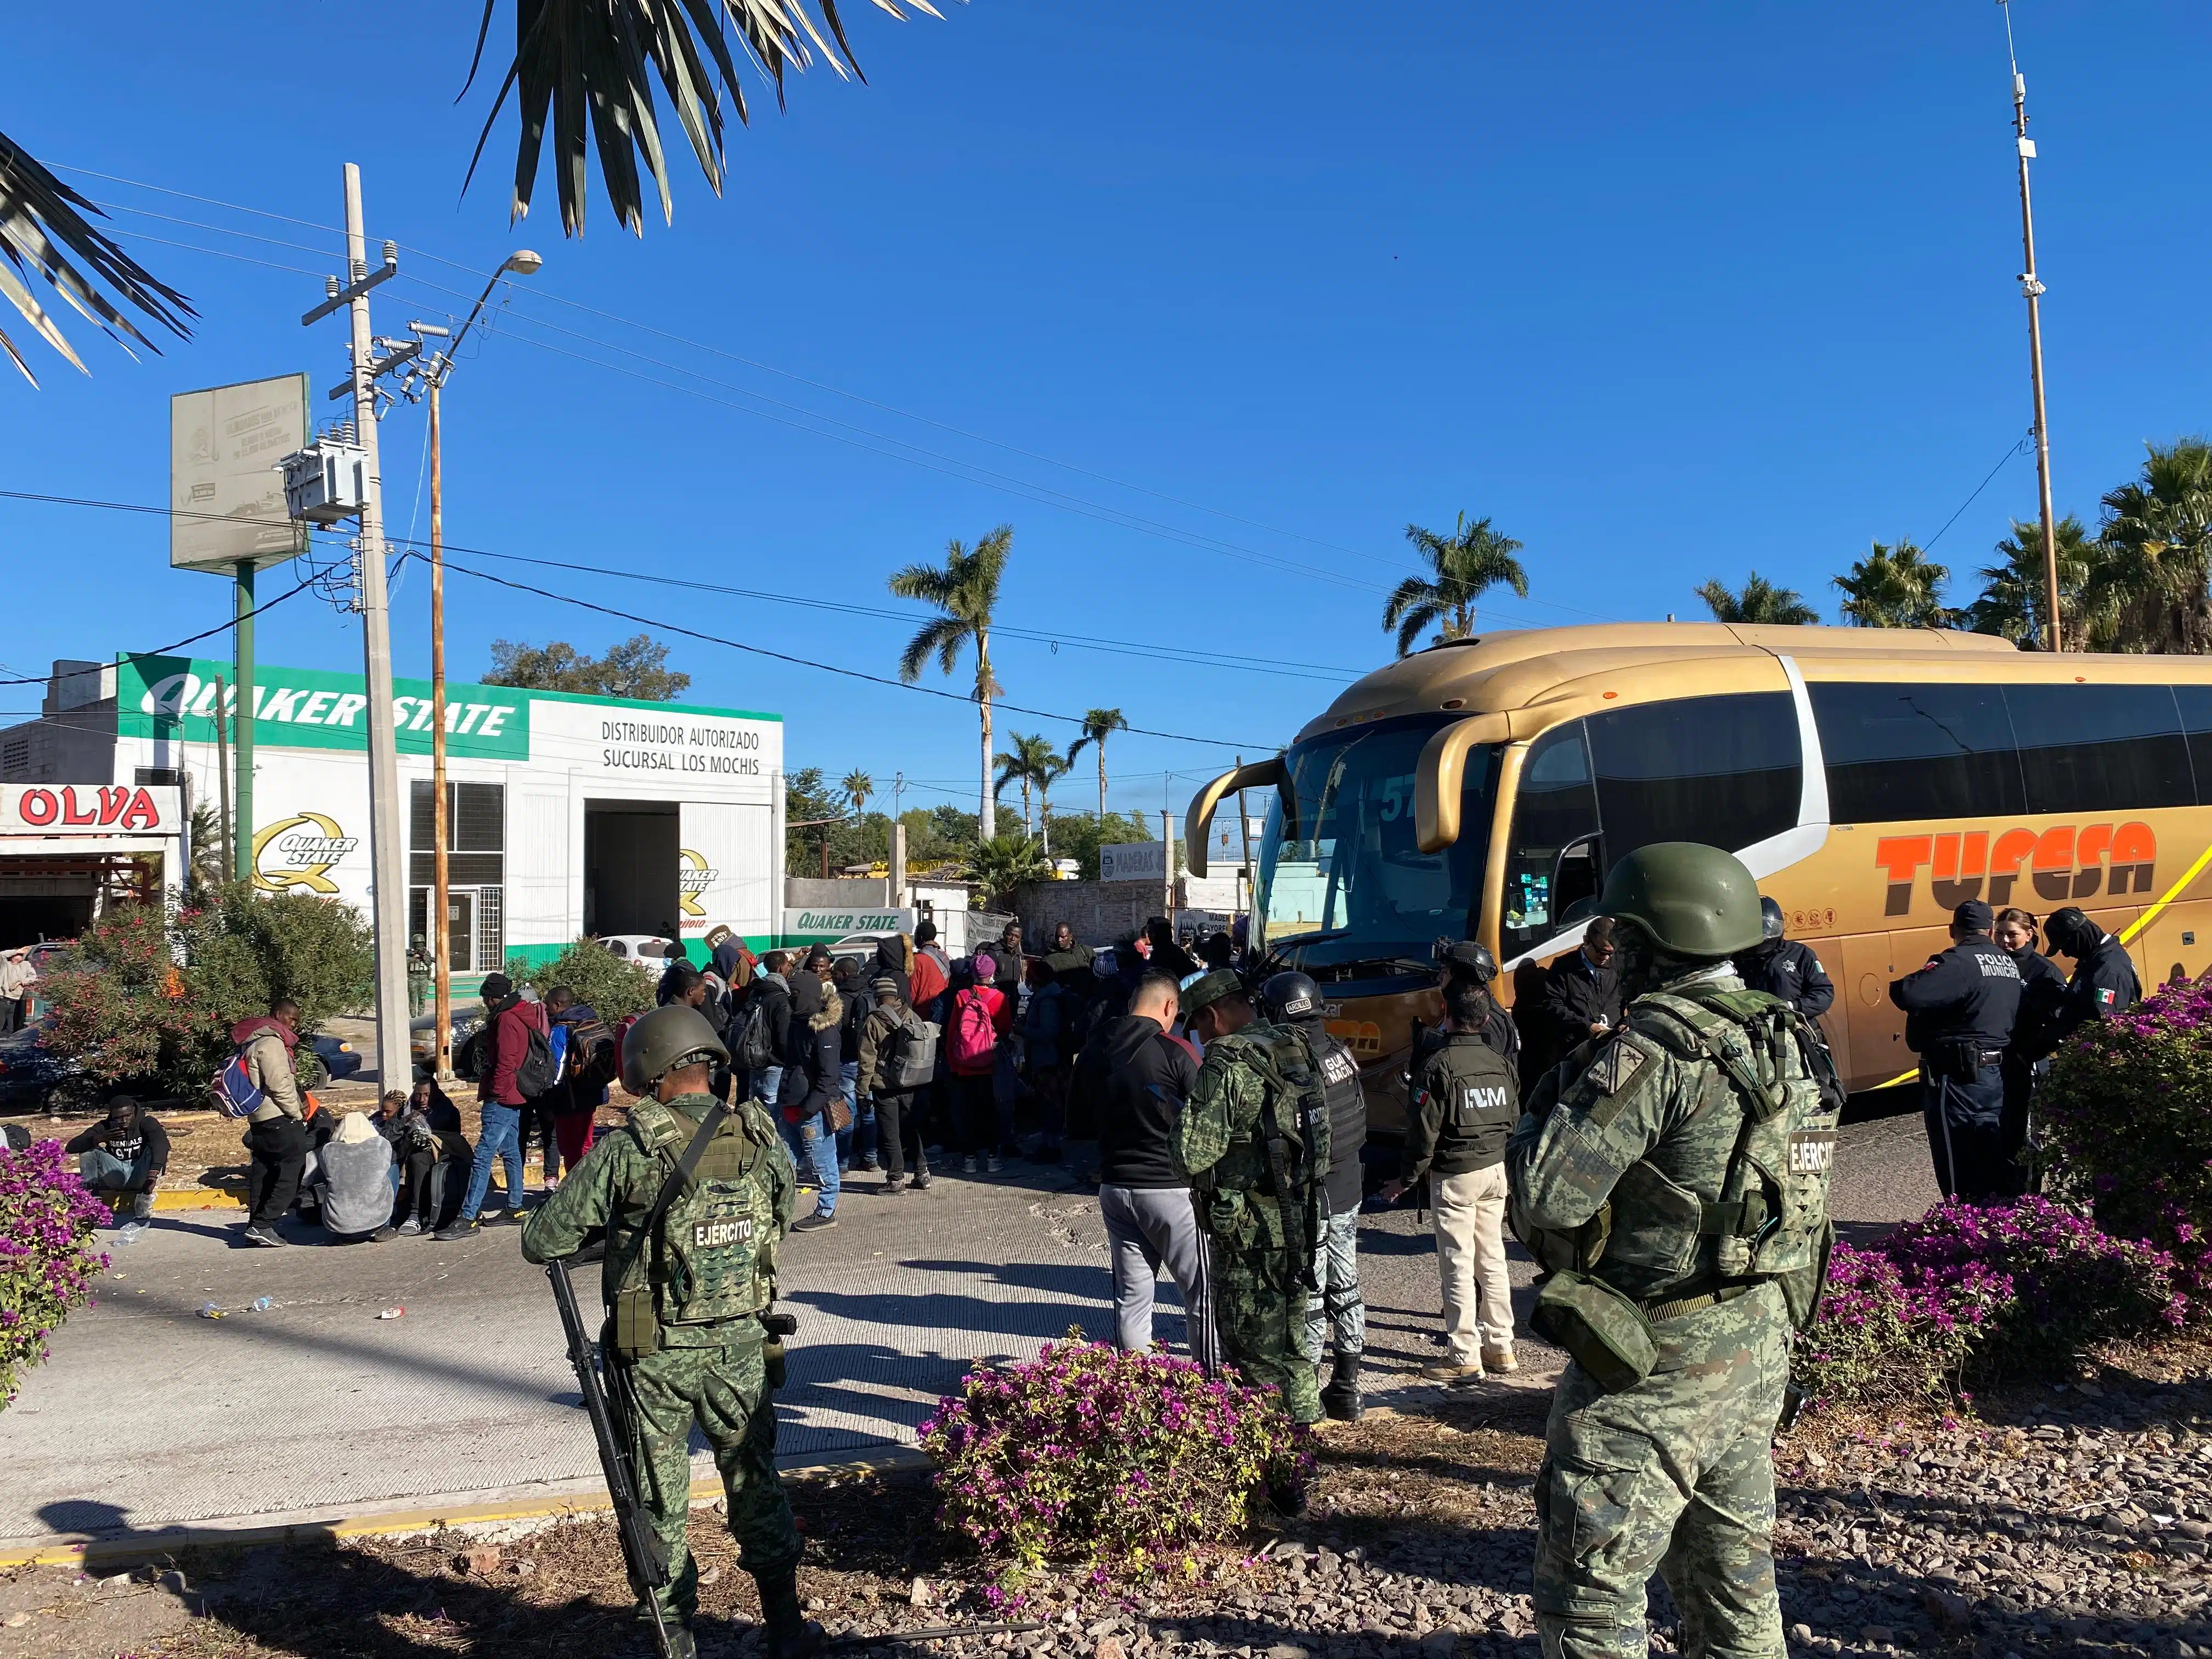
[83, 807]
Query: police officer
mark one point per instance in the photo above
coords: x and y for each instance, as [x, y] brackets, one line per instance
[1780, 967]
[1253, 1142]
[2104, 981]
[1640, 1179]
[1960, 1010]
[1293, 1001]
[686, 1298]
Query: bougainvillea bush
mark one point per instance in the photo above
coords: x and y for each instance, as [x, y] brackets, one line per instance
[2127, 1115]
[1974, 1294]
[47, 1260]
[1090, 1455]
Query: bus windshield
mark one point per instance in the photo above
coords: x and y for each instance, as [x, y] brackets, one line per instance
[1345, 868]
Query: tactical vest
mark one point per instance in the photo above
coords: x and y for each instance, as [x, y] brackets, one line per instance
[1284, 1155]
[1771, 1220]
[714, 1257]
[1344, 1101]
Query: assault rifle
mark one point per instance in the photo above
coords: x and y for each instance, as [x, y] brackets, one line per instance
[607, 1402]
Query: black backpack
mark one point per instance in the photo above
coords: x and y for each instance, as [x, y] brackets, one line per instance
[534, 1077]
[755, 1046]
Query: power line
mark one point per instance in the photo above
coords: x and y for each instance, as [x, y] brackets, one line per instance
[2019, 448]
[162, 651]
[831, 668]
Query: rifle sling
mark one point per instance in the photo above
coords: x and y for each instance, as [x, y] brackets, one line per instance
[678, 1178]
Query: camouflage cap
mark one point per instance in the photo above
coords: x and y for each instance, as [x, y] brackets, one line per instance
[1209, 988]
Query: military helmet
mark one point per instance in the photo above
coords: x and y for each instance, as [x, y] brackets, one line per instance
[671, 1038]
[1467, 958]
[1770, 918]
[1691, 899]
[1290, 995]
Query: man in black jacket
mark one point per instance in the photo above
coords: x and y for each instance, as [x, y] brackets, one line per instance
[1960, 1010]
[126, 1151]
[1464, 1104]
[1132, 1080]
[771, 995]
[1336, 1303]
[1782, 967]
[2104, 982]
[1579, 1000]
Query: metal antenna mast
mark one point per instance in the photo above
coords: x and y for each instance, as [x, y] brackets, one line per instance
[2032, 291]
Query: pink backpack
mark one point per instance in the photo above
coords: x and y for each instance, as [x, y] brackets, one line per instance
[975, 1038]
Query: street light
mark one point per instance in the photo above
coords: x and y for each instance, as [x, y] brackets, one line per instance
[521, 262]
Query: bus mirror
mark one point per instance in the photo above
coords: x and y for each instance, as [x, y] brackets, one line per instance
[1267, 774]
[1436, 785]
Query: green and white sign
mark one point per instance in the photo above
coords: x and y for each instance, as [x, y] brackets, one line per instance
[308, 708]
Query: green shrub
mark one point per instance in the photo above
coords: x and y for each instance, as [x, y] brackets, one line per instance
[612, 986]
[144, 1000]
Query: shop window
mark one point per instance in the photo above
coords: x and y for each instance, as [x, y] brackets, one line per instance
[1903, 753]
[2100, 748]
[1725, 770]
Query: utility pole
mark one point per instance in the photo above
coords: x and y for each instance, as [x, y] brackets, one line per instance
[2031, 290]
[241, 846]
[1167, 859]
[222, 768]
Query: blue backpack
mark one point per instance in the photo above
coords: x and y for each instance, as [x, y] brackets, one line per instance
[233, 1092]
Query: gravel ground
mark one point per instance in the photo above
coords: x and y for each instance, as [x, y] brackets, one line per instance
[2070, 1520]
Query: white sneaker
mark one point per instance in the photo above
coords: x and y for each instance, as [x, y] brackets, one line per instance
[993, 1165]
[968, 1165]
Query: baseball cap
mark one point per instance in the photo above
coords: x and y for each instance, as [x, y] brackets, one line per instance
[1975, 916]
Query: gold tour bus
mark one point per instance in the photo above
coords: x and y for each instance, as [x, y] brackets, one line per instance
[1871, 778]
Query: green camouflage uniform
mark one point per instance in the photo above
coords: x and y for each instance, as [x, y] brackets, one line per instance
[1624, 1159]
[713, 1274]
[1260, 1243]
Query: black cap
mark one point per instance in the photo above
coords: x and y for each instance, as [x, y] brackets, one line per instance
[495, 987]
[1974, 916]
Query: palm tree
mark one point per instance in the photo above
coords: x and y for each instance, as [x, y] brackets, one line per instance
[2013, 602]
[1098, 725]
[1761, 602]
[999, 866]
[42, 225]
[593, 61]
[966, 589]
[1033, 764]
[2157, 536]
[858, 786]
[1051, 768]
[1467, 563]
[1895, 586]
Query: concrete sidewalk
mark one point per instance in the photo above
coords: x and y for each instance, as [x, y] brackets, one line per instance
[149, 1415]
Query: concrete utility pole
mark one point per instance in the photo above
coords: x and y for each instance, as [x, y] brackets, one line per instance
[895, 874]
[2031, 290]
[388, 823]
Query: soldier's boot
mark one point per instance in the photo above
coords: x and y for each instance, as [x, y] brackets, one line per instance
[791, 1633]
[681, 1645]
[1339, 1398]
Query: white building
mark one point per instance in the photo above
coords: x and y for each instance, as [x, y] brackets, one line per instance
[566, 814]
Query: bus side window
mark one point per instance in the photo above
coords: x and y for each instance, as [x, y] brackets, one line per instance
[1902, 753]
[1725, 770]
[1557, 809]
[2099, 748]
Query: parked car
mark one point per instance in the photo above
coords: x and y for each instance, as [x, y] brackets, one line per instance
[643, 947]
[340, 1060]
[422, 1034]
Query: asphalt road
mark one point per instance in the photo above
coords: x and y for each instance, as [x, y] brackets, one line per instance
[148, 1414]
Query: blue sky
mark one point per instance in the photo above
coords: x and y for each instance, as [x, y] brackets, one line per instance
[1670, 293]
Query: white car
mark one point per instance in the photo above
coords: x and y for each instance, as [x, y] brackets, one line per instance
[640, 947]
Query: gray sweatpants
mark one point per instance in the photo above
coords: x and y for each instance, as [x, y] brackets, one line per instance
[1147, 1228]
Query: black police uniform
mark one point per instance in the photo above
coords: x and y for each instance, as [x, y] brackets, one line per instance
[2104, 984]
[2042, 991]
[1786, 969]
[1958, 1015]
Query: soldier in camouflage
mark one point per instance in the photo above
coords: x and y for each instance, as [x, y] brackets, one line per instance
[1253, 1140]
[1672, 1178]
[685, 1299]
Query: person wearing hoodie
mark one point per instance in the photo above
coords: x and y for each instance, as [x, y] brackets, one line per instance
[354, 1177]
[2042, 994]
[898, 1124]
[1132, 1079]
[895, 958]
[510, 1022]
[277, 1129]
[126, 1151]
[856, 1142]
[812, 1077]
[771, 995]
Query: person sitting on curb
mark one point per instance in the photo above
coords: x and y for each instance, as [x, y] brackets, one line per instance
[356, 1181]
[126, 1151]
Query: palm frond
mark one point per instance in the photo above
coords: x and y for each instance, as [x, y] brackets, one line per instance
[942, 638]
[43, 226]
[594, 62]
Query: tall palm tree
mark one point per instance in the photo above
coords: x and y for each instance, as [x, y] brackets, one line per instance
[858, 786]
[2013, 600]
[1032, 762]
[1051, 766]
[1895, 586]
[43, 228]
[2157, 536]
[1098, 725]
[965, 588]
[1761, 602]
[1467, 563]
[594, 62]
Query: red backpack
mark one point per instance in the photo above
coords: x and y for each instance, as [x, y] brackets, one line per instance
[975, 1038]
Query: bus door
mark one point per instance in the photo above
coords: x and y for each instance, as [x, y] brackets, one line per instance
[1555, 860]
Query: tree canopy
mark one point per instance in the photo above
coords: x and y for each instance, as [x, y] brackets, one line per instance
[1761, 602]
[637, 668]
